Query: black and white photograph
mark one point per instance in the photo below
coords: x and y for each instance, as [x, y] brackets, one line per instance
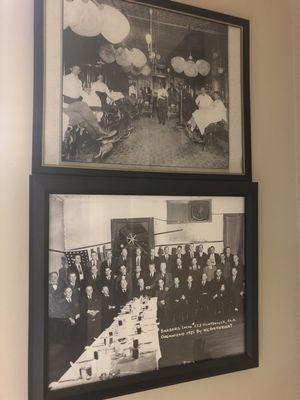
[139, 283]
[139, 87]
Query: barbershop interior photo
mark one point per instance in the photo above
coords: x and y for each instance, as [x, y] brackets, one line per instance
[155, 82]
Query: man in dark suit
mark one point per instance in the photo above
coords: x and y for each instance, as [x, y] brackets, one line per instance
[55, 292]
[162, 303]
[109, 262]
[177, 301]
[140, 289]
[178, 255]
[150, 278]
[109, 281]
[201, 256]
[138, 274]
[190, 293]
[235, 291]
[152, 259]
[218, 292]
[228, 255]
[238, 265]
[69, 315]
[63, 273]
[195, 270]
[123, 295]
[213, 257]
[108, 307]
[178, 270]
[138, 260]
[76, 288]
[91, 314]
[204, 297]
[166, 258]
[93, 279]
[189, 255]
[124, 260]
[165, 276]
[78, 269]
[225, 266]
[123, 275]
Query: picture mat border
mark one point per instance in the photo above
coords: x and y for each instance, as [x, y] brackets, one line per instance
[117, 170]
[40, 188]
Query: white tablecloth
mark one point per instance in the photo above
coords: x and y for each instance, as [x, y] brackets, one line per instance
[115, 347]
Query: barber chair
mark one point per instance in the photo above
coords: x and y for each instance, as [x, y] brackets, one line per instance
[216, 135]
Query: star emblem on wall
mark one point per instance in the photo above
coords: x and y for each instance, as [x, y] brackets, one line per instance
[131, 239]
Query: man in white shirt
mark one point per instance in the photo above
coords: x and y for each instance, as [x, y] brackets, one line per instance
[162, 104]
[77, 110]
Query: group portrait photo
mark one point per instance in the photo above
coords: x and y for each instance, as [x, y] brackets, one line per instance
[158, 282]
[131, 86]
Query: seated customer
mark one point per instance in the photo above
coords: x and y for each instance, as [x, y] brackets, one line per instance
[78, 111]
[215, 112]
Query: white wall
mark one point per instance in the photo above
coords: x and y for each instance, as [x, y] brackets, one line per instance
[92, 224]
[273, 82]
[56, 232]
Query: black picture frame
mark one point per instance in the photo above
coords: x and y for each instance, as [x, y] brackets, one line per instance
[38, 119]
[40, 188]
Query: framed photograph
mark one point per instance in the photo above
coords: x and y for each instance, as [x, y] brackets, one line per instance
[142, 86]
[122, 301]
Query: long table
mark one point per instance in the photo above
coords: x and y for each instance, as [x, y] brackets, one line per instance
[129, 346]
